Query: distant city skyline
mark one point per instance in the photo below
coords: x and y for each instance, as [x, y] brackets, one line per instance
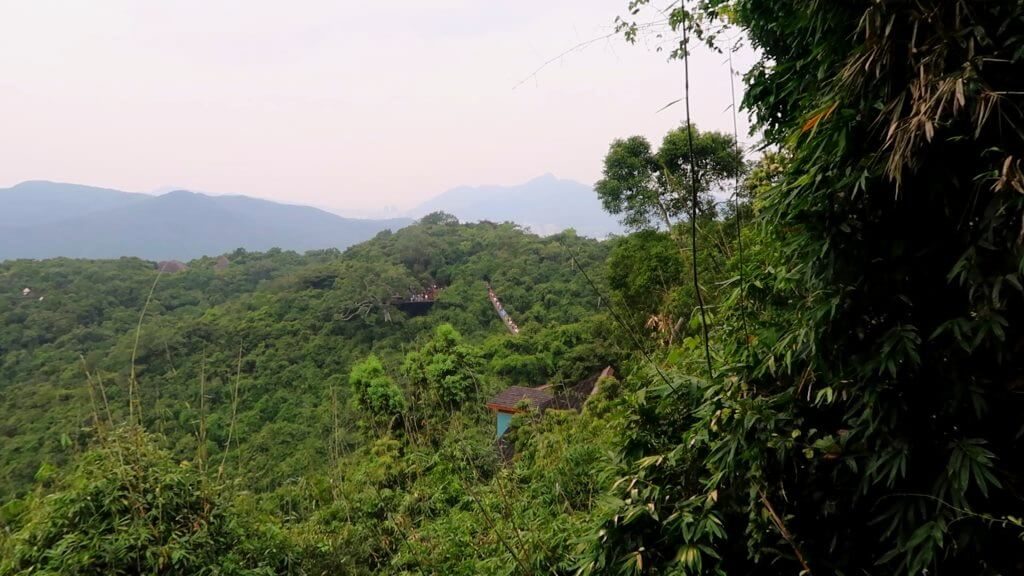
[353, 107]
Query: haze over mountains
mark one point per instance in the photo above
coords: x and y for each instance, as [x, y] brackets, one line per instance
[40, 219]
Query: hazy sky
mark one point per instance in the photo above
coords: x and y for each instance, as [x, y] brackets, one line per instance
[342, 104]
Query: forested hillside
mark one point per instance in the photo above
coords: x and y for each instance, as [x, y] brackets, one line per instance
[283, 326]
[249, 372]
[822, 374]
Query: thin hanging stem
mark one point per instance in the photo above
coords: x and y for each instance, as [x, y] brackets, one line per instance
[103, 396]
[201, 448]
[234, 415]
[490, 522]
[786, 534]
[92, 397]
[132, 380]
[736, 204]
[694, 201]
[625, 327]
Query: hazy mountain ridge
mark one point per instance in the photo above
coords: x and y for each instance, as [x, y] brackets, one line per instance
[546, 205]
[41, 219]
[40, 202]
[45, 220]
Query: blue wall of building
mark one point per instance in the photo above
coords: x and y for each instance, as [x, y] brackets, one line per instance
[504, 421]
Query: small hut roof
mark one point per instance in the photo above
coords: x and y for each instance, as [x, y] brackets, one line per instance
[171, 266]
[574, 397]
[508, 400]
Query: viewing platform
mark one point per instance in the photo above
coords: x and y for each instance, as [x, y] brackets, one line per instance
[419, 303]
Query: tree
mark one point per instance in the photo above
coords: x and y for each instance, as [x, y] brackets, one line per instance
[646, 271]
[868, 419]
[439, 218]
[445, 367]
[375, 393]
[364, 289]
[655, 189]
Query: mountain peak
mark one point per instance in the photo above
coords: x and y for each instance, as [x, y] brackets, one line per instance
[53, 186]
[180, 194]
[33, 183]
[547, 177]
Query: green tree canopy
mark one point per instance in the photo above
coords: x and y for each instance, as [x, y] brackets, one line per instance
[375, 393]
[864, 417]
[439, 218]
[655, 189]
[446, 367]
[647, 272]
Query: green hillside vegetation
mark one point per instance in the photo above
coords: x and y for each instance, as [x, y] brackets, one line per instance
[288, 393]
[292, 387]
[280, 326]
[821, 375]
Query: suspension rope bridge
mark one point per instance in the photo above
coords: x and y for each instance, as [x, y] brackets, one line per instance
[505, 318]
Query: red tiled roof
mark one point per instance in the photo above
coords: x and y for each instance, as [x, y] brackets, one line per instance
[508, 400]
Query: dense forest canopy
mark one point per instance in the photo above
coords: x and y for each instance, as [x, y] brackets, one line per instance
[864, 415]
[820, 375]
[267, 376]
[279, 325]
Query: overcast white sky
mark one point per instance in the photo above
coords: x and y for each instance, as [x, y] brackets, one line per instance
[342, 104]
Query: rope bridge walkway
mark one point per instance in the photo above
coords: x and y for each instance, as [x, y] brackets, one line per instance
[509, 323]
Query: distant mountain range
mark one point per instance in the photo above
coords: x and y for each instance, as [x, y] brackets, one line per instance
[40, 219]
[46, 219]
[546, 205]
